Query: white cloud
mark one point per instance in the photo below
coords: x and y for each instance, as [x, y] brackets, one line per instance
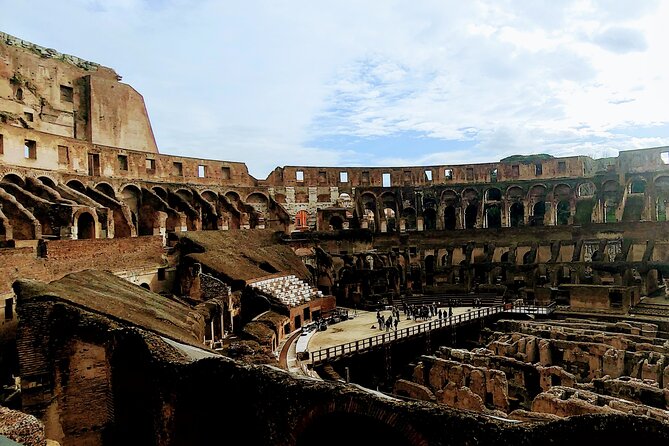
[266, 82]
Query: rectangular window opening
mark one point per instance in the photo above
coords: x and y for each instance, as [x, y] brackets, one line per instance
[448, 174]
[562, 166]
[343, 177]
[66, 94]
[515, 170]
[123, 162]
[161, 274]
[30, 149]
[665, 157]
[493, 175]
[322, 177]
[177, 169]
[2, 145]
[428, 175]
[365, 177]
[29, 116]
[299, 175]
[225, 173]
[94, 164]
[407, 176]
[470, 174]
[386, 180]
[538, 169]
[201, 171]
[150, 165]
[63, 155]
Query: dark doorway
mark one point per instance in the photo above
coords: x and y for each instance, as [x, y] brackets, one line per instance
[493, 217]
[430, 219]
[449, 218]
[470, 216]
[517, 215]
[563, 213]
[539, 213]
[85, 226]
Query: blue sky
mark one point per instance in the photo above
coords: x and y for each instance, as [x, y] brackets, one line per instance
[379, 82]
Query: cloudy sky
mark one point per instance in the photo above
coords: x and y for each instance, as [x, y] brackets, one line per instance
[376, 82]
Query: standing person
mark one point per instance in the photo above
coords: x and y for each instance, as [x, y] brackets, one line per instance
[450, 312]
[396, 321]
[389, 322]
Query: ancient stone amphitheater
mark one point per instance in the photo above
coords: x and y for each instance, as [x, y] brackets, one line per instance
[154, 299]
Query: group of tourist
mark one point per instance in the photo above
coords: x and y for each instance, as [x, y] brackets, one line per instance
[412, 312]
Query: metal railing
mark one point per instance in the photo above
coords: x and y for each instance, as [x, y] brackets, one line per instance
[532, 309]
[390, 336]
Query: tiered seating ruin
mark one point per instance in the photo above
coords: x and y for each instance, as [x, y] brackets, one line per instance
[289, 290]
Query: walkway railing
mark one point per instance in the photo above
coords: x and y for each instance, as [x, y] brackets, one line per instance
[391, 336]
[532, 309]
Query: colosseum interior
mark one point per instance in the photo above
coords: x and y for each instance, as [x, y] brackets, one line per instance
[154, 299]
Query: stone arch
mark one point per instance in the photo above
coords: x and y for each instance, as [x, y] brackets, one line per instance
[47, 181]
[210, 196]
[105, 188]
[561, 191]
[185, 194]
[257, 198]
[470, 194]
[161, 192]
[76, 185]
[14, 179]
[515, 193]
[637, 186]
[86, 224]
[146, 286]
[517, 214]
[493, 194]
[537, 192]
[232, 196]
[586, 189]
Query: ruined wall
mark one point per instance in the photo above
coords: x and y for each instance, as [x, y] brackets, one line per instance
[66, 256]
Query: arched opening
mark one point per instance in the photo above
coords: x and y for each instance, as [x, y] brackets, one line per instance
[85, 226]
[637, 187]
[47, 182]
[539, 213]
[106, 189]
[493, 217]
[301, 219]
[336, 222]
[19, 94]
[430, 219]
[470, 216]
[146, 286]
[13, 179]
[516, 215]
[409, 215]
[76, 185]
[449, 218]
[493, 194]
[162, 193]
[563, 212]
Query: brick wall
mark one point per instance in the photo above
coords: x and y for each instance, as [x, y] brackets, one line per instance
[67, 256]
